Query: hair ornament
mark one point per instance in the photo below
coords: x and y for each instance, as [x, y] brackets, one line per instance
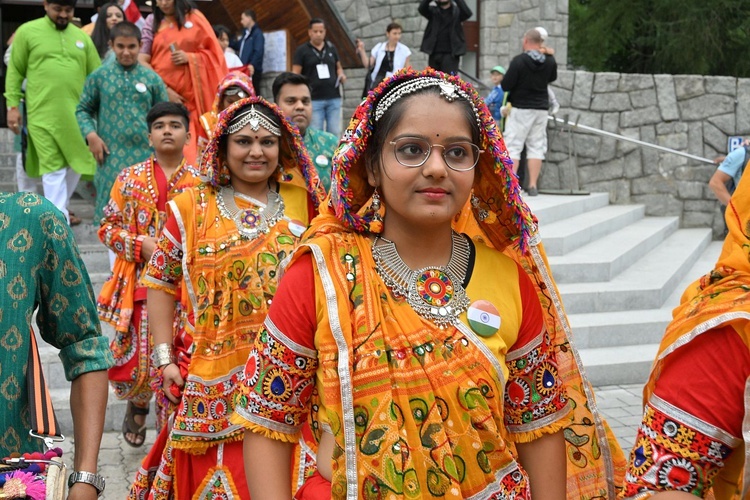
[448, 90]
[255, 119]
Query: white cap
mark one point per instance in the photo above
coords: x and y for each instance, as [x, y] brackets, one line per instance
[542, 32]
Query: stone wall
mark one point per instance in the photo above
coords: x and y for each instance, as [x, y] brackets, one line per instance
[693, 114]
[501, 26]
[503, 23]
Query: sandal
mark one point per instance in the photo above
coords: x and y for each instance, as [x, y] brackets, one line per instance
[74, 221]
[130, 426]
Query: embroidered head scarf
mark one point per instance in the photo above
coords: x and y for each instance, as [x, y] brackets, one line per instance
[295, 166]
[497, 215]
[233, 79]
[496, 205]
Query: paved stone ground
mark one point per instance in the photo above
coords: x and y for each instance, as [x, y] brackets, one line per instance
[118, 462]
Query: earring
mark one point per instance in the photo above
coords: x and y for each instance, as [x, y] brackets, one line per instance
[378, 213]
[375, 205]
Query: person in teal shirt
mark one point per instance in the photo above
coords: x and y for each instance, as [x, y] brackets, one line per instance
[112, 112]
[41, 270]
[54, 57]
[291, 92]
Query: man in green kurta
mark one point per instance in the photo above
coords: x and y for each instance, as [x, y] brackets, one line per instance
[112, 112]
[40, 267]
[55, 57]
[291, 92]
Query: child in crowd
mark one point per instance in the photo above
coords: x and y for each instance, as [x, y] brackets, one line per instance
[132, 223]
[496, 99]
[115, 95]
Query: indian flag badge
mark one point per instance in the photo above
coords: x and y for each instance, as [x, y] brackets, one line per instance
[296, 227]
[483, 318]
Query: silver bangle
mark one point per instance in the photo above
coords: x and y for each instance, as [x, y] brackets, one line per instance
[162, 355]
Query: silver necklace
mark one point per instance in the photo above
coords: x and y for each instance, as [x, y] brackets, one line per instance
[434, 292]
[250, 222]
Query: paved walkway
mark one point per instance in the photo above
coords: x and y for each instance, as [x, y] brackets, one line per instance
[118, 462]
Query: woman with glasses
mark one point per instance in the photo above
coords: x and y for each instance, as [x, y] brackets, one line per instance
[426, 362]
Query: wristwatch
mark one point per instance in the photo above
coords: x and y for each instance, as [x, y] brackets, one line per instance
[94, 480]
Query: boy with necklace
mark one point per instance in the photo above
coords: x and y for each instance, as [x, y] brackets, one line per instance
[132, 222]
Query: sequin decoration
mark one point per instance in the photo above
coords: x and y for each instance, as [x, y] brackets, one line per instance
[435, 287]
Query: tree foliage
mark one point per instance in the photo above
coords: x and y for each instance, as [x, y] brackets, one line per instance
[704, 37]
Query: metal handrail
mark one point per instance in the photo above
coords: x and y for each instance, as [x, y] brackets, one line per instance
[586, 129]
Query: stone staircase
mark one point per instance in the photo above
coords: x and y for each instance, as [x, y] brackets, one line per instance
[620, 274]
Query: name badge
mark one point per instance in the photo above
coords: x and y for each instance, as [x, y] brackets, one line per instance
[80, 44]
[188, 25]
[140, 87]
[321, 160]
[323, 73]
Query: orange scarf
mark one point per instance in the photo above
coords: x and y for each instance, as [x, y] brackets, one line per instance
[719, 298]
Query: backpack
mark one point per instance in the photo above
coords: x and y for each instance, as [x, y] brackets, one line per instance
[730, 183]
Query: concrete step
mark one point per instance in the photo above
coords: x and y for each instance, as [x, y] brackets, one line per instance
[646, 284]
[7, 164]
[112, 421]
[618, 347]
[619, 365]
[564, 236]
[609, 329]
[552, 208]
[7, 170]
[95, 257]
[605, 258]
[8, 147]
[619, 328]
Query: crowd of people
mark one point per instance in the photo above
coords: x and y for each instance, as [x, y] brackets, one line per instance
[310, 309]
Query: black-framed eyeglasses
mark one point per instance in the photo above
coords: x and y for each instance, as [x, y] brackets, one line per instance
[413, 152]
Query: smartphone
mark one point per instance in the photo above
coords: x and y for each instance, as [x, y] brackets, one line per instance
[172, 47]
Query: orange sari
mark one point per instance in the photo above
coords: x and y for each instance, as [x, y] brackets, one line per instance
[197, 80]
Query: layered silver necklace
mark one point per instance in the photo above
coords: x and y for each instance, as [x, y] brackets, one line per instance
[435, 293]
[250, 222]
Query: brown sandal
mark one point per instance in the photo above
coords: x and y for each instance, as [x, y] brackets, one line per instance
[130, 426]
[74, 221]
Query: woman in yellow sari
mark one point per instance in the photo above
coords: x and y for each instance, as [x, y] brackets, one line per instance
[428, 363]
[695, 433]
[220, 247]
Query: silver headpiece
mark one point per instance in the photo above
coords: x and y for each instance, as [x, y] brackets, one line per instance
[256, 120]
[447, 89]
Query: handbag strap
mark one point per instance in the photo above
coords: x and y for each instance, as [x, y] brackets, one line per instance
[43, 419]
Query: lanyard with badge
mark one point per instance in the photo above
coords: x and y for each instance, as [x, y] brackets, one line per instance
[323, 72]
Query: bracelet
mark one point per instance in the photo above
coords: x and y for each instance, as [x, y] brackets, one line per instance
[162, 355]
[137, 248]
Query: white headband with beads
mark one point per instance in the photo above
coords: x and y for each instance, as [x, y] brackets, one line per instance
[447, 89]
[255, 119]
